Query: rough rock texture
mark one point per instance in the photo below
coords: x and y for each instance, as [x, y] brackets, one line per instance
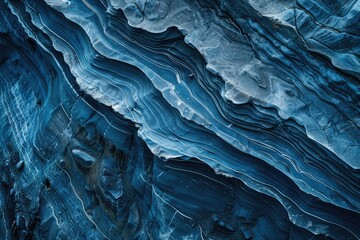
[179, 119]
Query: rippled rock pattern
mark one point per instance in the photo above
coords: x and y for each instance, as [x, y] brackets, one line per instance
[175, 119]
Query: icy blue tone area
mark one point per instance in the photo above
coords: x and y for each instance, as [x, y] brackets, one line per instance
[180, 119]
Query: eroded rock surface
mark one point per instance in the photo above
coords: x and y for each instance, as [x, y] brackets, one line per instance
[175, 119]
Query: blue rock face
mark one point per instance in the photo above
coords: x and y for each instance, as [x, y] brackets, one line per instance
[174, 119]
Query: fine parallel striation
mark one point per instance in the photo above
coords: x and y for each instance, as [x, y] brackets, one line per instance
[180, 119]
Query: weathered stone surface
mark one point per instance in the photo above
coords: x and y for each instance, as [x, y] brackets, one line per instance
[174, 119]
